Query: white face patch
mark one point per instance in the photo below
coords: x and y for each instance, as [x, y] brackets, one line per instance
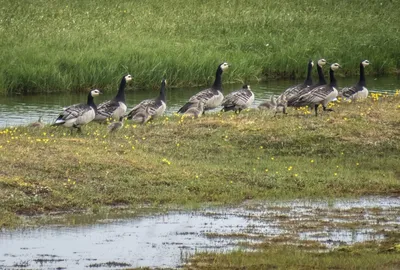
[312, 63]
[128, 78]
[95, 92]
[335, 66]
[365, 63]
[321, 62]
[224, 66]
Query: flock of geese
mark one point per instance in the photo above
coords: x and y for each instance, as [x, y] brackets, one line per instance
[305, 94]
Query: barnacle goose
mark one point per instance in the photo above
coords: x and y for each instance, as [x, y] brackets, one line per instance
[321, 94]
[212, 96]
[293, 90]
[238, 100]
[149, 108]
[116, 107]
[358, 91]
[78, 115]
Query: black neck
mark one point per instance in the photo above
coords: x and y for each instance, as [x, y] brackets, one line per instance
[218, 79]
[308, 80]
[332, 78]
[362, 75]
[90, 101]
[321, 75]
[162, 92]
[121, 91]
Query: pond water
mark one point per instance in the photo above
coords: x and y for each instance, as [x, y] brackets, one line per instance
[21, 110]
[168, 239]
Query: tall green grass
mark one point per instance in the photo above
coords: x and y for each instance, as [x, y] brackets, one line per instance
[49, 46]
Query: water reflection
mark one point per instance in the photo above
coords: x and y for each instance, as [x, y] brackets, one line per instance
[165, 240]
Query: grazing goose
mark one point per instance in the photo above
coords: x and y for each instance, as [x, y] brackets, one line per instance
[38, 124]
[321, 94]
[149, 108]
[212, 96]
[358, 91]
[78, 115]
[275, 105]
[115, 126]
[195, 109]
[238, 100]
[293, 90]
[292, 101]
[114, 108]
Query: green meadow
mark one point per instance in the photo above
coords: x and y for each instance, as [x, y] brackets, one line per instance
[216, 159]
[60, 46]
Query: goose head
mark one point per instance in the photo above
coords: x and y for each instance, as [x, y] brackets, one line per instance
[164, 82]
[322, 62]
[128, 78]
[246, 87]
[224, 66]
[335, 66]
[311, 63]
[365, 63]
[95, 92]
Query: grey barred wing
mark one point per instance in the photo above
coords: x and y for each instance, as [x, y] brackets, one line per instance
[202, 95]
[349, 91]
[107, 108]
[74, 111]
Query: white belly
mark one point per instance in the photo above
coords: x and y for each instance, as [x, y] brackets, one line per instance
[360, 94]
[120, 111]
[214, 101]
[160, 111]
[331, 96]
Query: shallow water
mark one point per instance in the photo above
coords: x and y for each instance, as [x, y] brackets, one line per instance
[166, 240]
[21, 110]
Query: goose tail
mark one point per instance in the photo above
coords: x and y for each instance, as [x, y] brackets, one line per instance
[185, 107]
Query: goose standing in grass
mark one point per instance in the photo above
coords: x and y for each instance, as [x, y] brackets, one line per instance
[293, 90]
[358, 91]
[115, 126]
[149, 108]
[78, 115]
[195, 109]
[293, 99]
[238, 100]
[116, 107]
[321, 94]
[212, 96]
[38, 124]
[274, 105]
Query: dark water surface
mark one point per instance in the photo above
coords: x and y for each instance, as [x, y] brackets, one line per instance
[167, 240]
[21, 110]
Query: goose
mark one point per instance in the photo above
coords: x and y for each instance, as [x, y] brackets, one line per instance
[78, 115]
[277, 106]
[238, 100]
[115, 126]
[195, 109]
[292, 101]
[322, 94]
[114, 108]
[293, 90]
[38, 124]
[212, 96]
[358, 91]
[149, 108]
